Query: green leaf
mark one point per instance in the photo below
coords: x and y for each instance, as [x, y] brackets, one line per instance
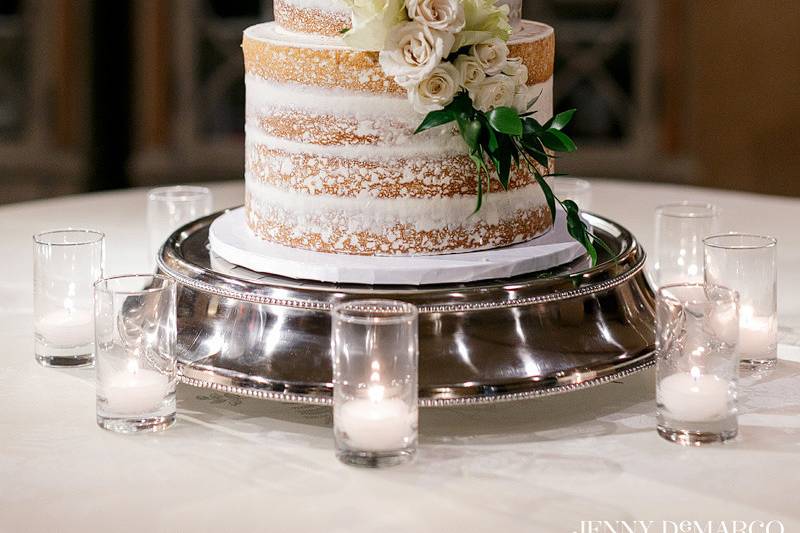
[436, 118]
[471, 132]
[462, 104]
[344, 30]
[538, 156]
[548, 193]
[531, 128]
[477, 158]
[534, 100]
[503, 165]
[514, 153]
[559, 121]
[578, 230]
[493, 143]
[505, 120]
[557, 141]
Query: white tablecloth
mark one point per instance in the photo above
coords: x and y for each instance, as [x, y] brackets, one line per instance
[232, 463]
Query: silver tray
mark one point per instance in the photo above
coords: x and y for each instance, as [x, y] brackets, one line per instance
[268, 337]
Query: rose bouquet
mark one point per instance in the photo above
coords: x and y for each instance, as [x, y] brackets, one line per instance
[452, 58]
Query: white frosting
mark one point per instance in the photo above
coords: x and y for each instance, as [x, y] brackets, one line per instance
[389, 118]
[543, 108]
[440, 144]
[272, 32]
[336, 6]
[367, 213]
[263, 95]
[530, 31]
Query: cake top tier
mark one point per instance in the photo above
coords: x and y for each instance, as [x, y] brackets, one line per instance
[330, 17]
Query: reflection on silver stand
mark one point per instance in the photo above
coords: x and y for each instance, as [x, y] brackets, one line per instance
[268, 337]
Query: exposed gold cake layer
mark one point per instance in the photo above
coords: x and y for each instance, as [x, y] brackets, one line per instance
[326, 130]
[401, 239]
[309, 20]
[421, 177]
[344, 68]
[330, 21]
[539, 56]
[318, 67]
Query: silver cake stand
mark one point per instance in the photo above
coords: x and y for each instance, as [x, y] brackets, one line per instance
[268, 337]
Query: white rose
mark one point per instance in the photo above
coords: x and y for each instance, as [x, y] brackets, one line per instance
[491, 54]
[413, 50]
[444, 15]
[516, 69]
[470, 71]
[437, 90]
[371, 22]
[484, 21]
[497, 91]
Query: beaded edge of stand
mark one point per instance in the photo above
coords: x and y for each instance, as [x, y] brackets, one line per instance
[433, 308]
[648, 362]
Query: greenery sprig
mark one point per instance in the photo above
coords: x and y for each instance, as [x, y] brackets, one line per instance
[503, 137]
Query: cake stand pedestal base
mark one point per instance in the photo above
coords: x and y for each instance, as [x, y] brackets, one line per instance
[268, 336]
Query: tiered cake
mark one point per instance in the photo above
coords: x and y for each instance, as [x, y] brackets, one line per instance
[333, 164]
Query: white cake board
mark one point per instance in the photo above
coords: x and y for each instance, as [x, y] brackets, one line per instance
[231, 239]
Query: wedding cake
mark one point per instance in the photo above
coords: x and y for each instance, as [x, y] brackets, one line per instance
[333, 163]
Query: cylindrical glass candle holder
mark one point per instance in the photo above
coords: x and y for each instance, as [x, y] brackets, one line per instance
[169, 208]
[680, 230]
[375, 410]
[136, 372]
[696, 364]
[66, 265]
[748, 264]
[575, 189]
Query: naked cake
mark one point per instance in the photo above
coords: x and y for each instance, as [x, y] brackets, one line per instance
[333, 163]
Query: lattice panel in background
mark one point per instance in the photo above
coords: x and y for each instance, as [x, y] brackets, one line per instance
[43, 123]
[608, 66]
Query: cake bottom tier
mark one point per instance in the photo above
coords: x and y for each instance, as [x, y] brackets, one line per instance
[378, 226]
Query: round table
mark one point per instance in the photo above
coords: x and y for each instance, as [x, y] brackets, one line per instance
[561, 464]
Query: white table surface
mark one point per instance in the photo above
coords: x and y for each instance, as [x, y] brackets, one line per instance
[241, 464]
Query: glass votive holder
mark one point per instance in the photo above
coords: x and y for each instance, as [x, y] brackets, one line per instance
[680, 230]
[696, 364]
[169, 208]
[66, 265]
[135, 319]
[375, 413]
[575, 189]
[748, 264]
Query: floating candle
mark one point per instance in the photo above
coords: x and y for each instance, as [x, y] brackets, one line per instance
[757, 335]
[135, 391]
[66, 328]
[694, 397]
[376, 425]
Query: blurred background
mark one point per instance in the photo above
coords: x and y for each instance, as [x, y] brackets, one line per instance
[99, 95]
